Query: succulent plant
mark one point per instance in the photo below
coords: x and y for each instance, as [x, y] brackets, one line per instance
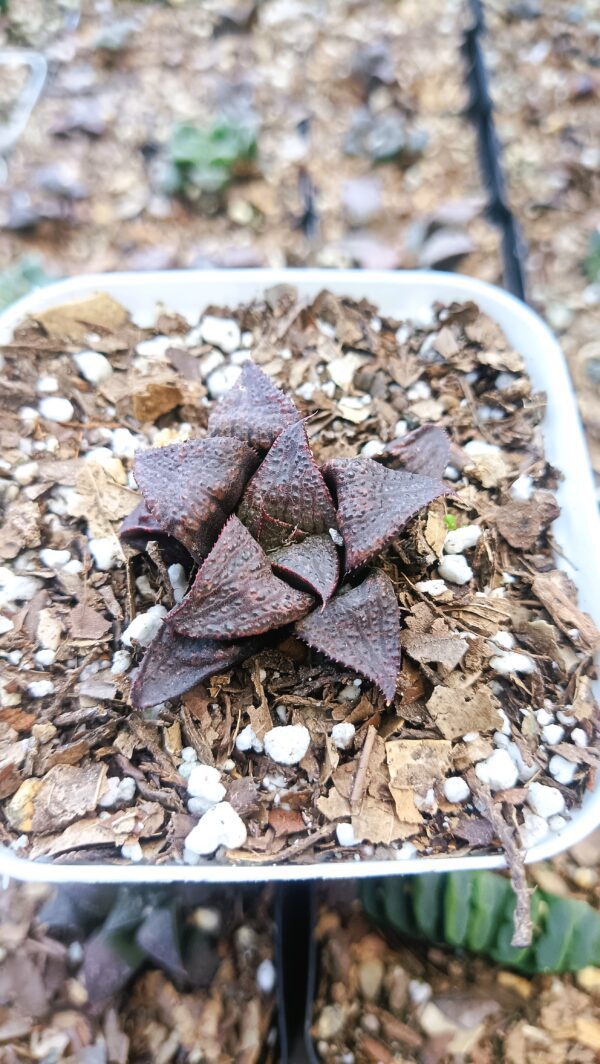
[275, 541]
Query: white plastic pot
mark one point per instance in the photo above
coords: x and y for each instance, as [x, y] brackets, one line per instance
[400, 295]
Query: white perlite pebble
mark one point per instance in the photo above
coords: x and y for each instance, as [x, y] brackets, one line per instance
[93, 366]
[406, 852]
[462, 539]
[579, 737]
[287, 745]
[132, 851]
[521, 489]
[6, 625]
[54, 559]
[40, 688]
[561, 770]
[265, 976]
[124, 443]
[45, 658]
[342, 735]
[117, 791]
[105, 551]
[456, 569]
[504, 640]
[221, 332]
[543, 717]
[433, 588]
[456, 789]
[553, 734]
[248, 740]
[222, 380]
[120, 662]
[204, 784]
[155, 348]
[178, 581]
[345, 835]
[46, 385]
[533, 830]
[220, 826]
[545, 801]
[511, 661]
[499, 771]
[372, 448]
[475, 448]
[16, 588]
[26, 473]
[56, 408]
[144, 627]
[189, 755]
[557, 823]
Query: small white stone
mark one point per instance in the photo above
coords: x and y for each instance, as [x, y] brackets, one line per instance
[221, 332]
[545, 801]
[265, 976]
[419, 992]
[506, 726]
[144, 627]
[461, 539]
[406, 852]
[533, 830]
[207, 920]
[132, 851]
[248, 740]
[56, 408]
[522, 489]
[451, 473]
[108, 461]
[16, 588]
[306, 390]
[54, 559]
[144, 586]
[6, 625]
[420, 390]
[178, 580]
[372, 448]
[121, 661]
[345, 835]
[426, 803]
[561, 770]
[456, 569]
[557, 823]
[222, 380]
[287, 745]
[220, 826]
[44, 657]
[93, 366]
[579, 737]
[105, 551]
[124, 443]
[336, 538]
[510, 661]
[185, 769]
[553, 734]
[40, 688]
[400, 429]
[155, 348]
[117, 792]
[433, 588]
[25, 473]
[504, 640]
[499, 771]
[46, 385]
[342, 735]
[456, 789]
[476, 448]
[204, 784]
[29, 413]
[543, 717]
[565, 718]
[189, 755]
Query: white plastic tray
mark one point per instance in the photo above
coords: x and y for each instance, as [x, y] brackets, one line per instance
[401, 295]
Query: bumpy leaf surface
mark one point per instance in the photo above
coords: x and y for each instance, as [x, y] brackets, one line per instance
[289, 488]
[255, 410]
[425, 451]
[375, 503]
[191, 488]
[173, 664]
[360, 628]
[140, 526]
[314, 563]
[235, 593]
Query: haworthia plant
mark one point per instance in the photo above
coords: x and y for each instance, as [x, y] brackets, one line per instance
[474, 911]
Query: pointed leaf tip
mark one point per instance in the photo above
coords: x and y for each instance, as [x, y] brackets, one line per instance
[255, 410]
[288, 488]
[235, 593]
[375, 503]
[173, 664]
[360, 628]
[314, 563]
[426, 450]
[191, 488]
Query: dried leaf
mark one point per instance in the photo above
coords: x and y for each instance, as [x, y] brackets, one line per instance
[86, 623]
[66, 793]
[152, 398]
[288, 488]
[558, 595]
[426, 450]
[521, 523]
[73, 321]
[448, 650]
[235, 593]
[360, 628]
[314, 563]
[417, 763]
[377, 822]
[457, 712]
[141, 821]
[255, 410]
[375, 503]
[100, 501]
[192, 488]
[334, 806]
[20, 528]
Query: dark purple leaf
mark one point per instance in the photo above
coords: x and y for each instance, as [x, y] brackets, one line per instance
[289, 488]
[255, 410]
[235, 593]
[201, 958]
[314, 563]
[360, 628]
[139, 527]
[108, 964]
[425, 451]
[191, 488]
[158, 937]
[173, 664]
[375, 503]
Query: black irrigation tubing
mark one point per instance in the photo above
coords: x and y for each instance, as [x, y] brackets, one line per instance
[481, 113]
